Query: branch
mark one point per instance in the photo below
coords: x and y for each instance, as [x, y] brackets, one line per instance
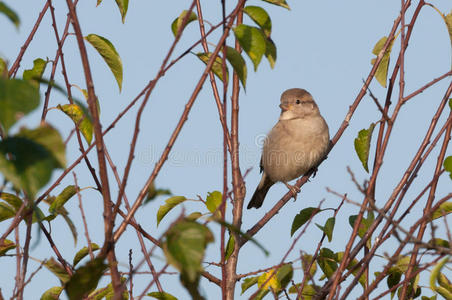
[176, 132]
[108, 246]
[12, 72]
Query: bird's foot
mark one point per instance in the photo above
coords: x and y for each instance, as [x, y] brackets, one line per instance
[314, 171]
[293, 189]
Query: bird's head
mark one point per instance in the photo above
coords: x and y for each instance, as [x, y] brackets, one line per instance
[297, 103]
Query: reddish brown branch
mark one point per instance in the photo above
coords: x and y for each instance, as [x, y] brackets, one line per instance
[300, 182]
[12, 72]
[176, 132]
[108, 246]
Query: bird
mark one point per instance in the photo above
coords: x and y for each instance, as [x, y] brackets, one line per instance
[296, 144]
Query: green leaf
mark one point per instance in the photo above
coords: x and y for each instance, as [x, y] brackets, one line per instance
[49, 138]
[71, 226]
[362, 280]
[306, 260]
[448, 21]
[244, 235]
[85, 279]
[9, 13]
[7, 245]
[276, 282]
[102, 293]
[154, 192]
[309, 291]
[268, 280]
[327, 261]
[38, 215]
[193, 216]
[217, 66]
[252, 40]
[3, 69]
[363, 226]
[52, 293]
[184, 247]
[238, 64]
[191, 286]
[270, 52]
[84, 252]
[17, 98]
[6, 211]
[302, 217]
[438, 242]
[281, 3]
[79, 118]
[401, 265]
[435, 276]
[123, 5]
[161, 296]
[107, 293]
[35, 74]
[57, 269]
[448, 164]
[249, 282]
[177, 23]
[444, 282]
[328, 228]
[63, 213]
[33, 154]
[382, 71]
[108, 52]
[443, 210]
[12, 200]
[362, 145]
[260, 17]
[229, 247]
[62, 198]
[170, 203]
[10, 208]
[284, 275]
[213, 201]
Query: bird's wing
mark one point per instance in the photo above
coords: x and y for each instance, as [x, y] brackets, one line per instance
[261, 166]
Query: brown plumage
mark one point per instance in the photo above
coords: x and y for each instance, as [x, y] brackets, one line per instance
[296, 144]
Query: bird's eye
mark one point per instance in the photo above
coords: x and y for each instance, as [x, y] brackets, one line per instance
[298, 101]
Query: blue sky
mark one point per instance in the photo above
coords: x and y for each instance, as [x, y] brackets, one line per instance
[323, 46]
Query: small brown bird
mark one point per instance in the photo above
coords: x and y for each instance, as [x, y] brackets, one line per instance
[295, 144]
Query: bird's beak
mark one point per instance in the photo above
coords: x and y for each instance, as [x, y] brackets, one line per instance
[284, 107]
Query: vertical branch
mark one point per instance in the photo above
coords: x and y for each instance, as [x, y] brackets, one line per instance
[175, 134]
[428, 205]
[238, 187]
[85, 224]
[18, 265]
[60, 54]
[12, 72]
[212, 75]
[139, 235]
[225, 164]
[226, 137]
[136, 131]
[108, 247]
[130, 275]
[25, 257]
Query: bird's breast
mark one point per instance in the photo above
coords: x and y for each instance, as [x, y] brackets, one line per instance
[293, 147]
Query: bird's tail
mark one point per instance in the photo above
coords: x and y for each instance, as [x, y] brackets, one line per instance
[261, 190]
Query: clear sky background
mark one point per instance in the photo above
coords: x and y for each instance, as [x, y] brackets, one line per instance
[323, 46]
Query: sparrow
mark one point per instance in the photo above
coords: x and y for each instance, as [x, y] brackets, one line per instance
[296, 144]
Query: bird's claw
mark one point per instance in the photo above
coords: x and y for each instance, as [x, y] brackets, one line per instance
[294, 190]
